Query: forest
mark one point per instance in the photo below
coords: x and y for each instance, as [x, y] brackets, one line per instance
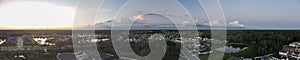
[260, 42]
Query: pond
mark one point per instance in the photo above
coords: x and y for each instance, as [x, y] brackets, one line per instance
[231, 49]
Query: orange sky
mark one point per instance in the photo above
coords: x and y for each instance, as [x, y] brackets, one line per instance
[35, 15]
[36, 28]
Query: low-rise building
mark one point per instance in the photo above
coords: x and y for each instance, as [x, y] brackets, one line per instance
[294, 44]
[287, 50]
[42, 40]
[2, 41]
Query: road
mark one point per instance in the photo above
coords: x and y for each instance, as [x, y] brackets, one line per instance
[188, 54]
[20, 44]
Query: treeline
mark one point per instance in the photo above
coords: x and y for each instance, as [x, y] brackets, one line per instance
[142, 47]
[262, 41]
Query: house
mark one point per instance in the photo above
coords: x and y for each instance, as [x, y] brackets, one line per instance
[283, 53]
[99, 40]
[42, 41]
[278, 57]
[20, 56]
[294, 44]
[287, 51]
[2, 41]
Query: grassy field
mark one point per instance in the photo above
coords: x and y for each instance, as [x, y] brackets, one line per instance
[204, 57]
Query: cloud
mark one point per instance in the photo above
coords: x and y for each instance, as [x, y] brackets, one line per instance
[193, 22]
[228, 24]
[150, 20]
[153, 21]
[139, 17]
[214, 23]
[235, 24]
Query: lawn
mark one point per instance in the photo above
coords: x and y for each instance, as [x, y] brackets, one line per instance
[204, 57]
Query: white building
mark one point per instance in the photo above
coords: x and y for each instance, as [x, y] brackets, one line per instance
[98, 40]
[294, 44]
[20, 56]
[42, 41]
[2, 41]
[283, 53]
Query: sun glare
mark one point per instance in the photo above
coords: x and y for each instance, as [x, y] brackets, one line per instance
[139, 17]
[35, 15]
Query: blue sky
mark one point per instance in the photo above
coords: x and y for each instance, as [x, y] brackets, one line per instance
[252, 13]
[265, 13]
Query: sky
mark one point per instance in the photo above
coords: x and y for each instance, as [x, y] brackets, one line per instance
[264, 13]
[277, 14]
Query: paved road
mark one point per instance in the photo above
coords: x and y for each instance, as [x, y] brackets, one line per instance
[20, 44]
[188, 54]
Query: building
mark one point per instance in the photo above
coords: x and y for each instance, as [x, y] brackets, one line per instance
[99, 40]
[42, 41]
[2, 41]
[20, 56]
[287, 51]
[283, 53]
[294, 44]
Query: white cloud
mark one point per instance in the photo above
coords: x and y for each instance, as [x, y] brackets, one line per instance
[235, 24]
[214, 23]
[228, 23]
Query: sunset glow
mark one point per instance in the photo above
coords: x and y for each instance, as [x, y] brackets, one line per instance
[37, 27]
[35, 15]
[139, 17]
